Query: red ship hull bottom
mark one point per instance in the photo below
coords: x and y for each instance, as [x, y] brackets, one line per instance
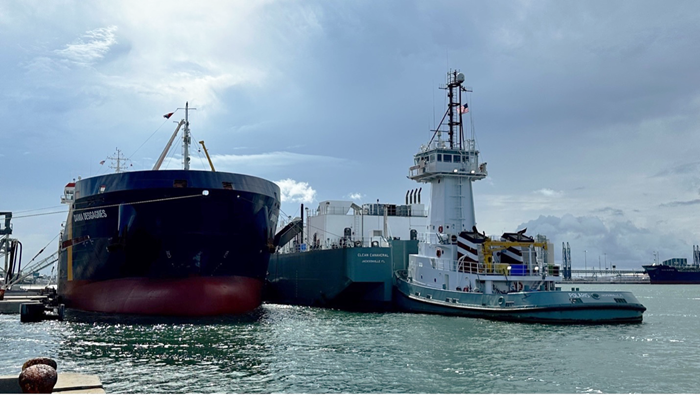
[196, 296]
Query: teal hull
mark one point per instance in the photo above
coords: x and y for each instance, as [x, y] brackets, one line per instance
[556, 307]
[356, 278]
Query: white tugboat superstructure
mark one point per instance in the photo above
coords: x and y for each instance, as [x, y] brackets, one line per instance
[459, 271]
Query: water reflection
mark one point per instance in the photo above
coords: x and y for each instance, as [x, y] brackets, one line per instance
[284, 349]
[157, 354]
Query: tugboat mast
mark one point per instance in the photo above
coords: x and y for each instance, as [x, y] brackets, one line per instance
[450, 168]
[455, 108]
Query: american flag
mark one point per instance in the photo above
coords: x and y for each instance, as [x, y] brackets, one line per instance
[465, 108]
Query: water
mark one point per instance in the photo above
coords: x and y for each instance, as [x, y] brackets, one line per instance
[284, 349]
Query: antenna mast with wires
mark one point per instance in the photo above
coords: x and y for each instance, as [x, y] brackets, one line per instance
[186, 137]
[118, 159]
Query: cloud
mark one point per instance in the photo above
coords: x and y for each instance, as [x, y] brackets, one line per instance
[617, 242]
[680, 203]
[609, 210]
[89, 48]
[682, 169]
[294, 191]
[278, 160]
[356, 196]
[549, 192]
[259, 74]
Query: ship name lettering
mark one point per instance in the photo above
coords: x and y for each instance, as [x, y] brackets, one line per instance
[385, 255]
[579, 295]
[93, 214]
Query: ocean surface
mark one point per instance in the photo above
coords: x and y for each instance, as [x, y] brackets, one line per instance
[287, 349]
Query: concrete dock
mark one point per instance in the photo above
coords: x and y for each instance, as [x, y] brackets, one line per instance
[10, 304]
[67, 383]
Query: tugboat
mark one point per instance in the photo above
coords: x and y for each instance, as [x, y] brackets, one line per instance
[460, 271]
[167, 242]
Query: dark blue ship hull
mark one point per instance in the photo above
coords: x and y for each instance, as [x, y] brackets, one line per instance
[668, 275]
[170, 242]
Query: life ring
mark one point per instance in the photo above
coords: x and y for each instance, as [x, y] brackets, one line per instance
[520, 286]
[440, 229]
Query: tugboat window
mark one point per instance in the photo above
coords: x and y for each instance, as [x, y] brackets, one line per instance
[448, 158]
[439, 157]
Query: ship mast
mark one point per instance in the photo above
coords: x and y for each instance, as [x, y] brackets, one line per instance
[450, 167]
[119, 159]
[186, 140]
[455, 108]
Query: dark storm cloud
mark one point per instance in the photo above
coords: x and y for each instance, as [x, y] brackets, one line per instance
[578, 66]
[682, 169]
[611, 211]
[555, 83]
[680, 203]
[618, 242]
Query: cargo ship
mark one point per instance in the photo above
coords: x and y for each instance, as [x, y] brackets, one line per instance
[343, 255]
[461, 271]
[167, 242]
[675, 271]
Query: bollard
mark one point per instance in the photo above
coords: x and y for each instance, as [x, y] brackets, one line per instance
[39, 378]
[40, 360]
[31, 312]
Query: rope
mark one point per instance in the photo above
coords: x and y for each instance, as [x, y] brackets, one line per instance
[39, 214]
[149, 138]
[108, 206]
[34, 210]
[42, 249]
[140, 202]
[199, 152]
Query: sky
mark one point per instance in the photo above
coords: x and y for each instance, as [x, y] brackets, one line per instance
[587, 113]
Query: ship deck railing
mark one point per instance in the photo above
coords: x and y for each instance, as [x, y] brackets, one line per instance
[497, 269]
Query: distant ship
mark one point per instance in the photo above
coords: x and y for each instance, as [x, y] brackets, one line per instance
[344, 255]
[675, 270]
[167, 242]
[461, 271]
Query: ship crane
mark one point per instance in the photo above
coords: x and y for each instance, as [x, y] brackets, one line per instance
[206, 152]
[185, 140]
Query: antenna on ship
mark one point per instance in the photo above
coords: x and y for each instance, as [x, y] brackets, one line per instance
[454, 112]
[186, 140]
[455, 109]
[119, 159]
